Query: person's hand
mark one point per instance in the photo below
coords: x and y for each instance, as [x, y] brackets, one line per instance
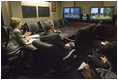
[27, 34]
[87, 71]
[68, 45]
[104, 59]
[105, 42]
[27, 38]
[100, 70]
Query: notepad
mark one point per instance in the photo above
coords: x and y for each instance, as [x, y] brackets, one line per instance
[63, 34]
[34, 36]
[82, 66]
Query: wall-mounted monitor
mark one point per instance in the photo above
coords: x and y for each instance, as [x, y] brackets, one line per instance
[101, 13]
[84, 17]
[72, 13]
[29, 12]
[43, 11]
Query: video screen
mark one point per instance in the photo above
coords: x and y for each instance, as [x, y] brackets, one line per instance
[104, 13]
[28, 12]
[44, 11]
[72, 13]
[84, 17]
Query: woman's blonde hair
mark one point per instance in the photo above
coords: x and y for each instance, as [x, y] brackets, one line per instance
[14, 22]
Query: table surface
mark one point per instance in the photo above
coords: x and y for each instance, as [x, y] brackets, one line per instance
[70, 30]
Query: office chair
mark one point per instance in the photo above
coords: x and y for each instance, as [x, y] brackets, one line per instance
[83, 39]
[56, 24]
[9, 61]
[34, 27]
[86, 38]
[7, 31]
[42, 24]
[98, 31]
[7, 67]
[72, 42]
[57, 60]
[65, 22]
[53, 59]
[52, 51]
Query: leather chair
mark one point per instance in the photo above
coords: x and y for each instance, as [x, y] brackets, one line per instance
[98, 31]
[8, 67]
[56, 24]
[52, 54]
[59, 61]
[83, 36]
[82, 32]
[42, 24]
[10, 62]
[6, 33]
[65, 22]
[34, 27]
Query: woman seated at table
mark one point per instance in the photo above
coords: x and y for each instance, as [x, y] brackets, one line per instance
[16, 38]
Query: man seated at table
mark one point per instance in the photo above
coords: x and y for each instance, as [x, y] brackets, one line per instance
[54, 38]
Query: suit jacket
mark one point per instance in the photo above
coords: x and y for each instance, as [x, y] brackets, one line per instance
[55, 39]
[15, 40]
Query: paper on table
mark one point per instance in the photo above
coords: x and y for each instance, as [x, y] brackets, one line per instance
[34, 36]
[30, 41]
[82, 66]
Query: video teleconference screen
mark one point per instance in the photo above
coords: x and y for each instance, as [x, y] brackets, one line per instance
[72, 13]
[44, 11]
[101, 13]
[29, 11]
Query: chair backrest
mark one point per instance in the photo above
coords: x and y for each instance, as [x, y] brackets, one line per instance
[50, 55]
[56, 24]
[40, 26]
[84, 37]
[4, 57]
[46, 47]
[97, 31]
[41, 45]
[34, 27]
[7, 31]
[65, 22]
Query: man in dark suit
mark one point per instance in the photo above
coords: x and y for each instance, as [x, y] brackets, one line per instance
[54, 38]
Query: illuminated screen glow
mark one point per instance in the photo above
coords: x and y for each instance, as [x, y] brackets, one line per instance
[104, 13]
[72, 13]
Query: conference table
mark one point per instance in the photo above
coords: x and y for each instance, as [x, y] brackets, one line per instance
[67, 32]
[70, 31]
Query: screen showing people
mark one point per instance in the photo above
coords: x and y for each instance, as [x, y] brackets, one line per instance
[73, 13]
[104, 13]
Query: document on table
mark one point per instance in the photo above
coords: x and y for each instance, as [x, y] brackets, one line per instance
[34, 36]
[82, 66]
[63, 34]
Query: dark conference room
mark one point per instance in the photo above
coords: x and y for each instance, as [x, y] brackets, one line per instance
[59, 39]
